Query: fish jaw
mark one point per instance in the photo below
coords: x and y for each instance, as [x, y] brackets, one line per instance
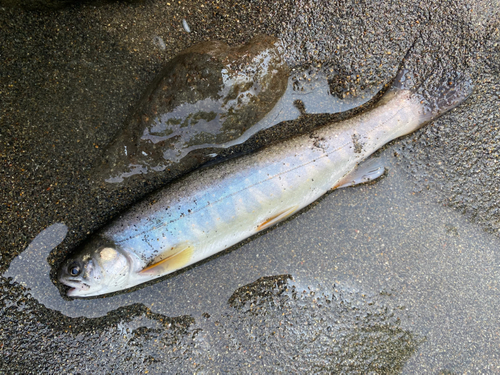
[77, 288]
[77, 292]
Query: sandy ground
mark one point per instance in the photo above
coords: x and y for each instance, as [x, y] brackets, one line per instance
[399, 276]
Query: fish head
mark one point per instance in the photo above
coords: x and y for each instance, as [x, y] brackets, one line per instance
[99, 267]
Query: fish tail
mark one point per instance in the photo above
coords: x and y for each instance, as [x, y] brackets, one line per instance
[437, 82]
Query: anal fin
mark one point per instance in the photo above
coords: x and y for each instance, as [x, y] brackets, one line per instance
[276, 218]
[367, 171]
[170, 260]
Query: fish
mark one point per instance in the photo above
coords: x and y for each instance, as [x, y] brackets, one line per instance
[213, 209]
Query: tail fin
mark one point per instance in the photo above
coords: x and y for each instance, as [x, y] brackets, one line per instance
[438, 81]
[437, 95]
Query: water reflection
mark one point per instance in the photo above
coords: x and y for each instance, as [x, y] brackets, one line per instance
[341, 329]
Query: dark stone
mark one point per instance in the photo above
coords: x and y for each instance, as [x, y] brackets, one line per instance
[208, 95]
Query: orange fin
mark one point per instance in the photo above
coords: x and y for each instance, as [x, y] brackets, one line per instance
[171, 260]
[276, 218]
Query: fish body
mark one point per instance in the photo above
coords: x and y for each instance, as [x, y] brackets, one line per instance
[212, 209]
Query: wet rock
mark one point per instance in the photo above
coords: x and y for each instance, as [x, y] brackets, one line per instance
[206, 96]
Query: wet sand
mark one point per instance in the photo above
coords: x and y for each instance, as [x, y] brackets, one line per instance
[399, 276]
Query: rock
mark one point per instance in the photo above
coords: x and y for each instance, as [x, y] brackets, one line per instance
[206, 96]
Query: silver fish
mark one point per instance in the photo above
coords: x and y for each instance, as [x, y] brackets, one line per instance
[212, 209]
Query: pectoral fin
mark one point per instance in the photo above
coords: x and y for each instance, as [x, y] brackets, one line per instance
[170, 260]
[276, 218]
[367, 171]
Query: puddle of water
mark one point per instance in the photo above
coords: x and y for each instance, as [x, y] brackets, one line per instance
[30, 268]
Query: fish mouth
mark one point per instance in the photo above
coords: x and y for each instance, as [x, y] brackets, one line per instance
[76, 292]
[77, 288]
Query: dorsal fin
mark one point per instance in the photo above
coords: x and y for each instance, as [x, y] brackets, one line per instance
[170, 260]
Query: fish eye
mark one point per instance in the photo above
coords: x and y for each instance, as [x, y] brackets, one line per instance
[74, 269]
